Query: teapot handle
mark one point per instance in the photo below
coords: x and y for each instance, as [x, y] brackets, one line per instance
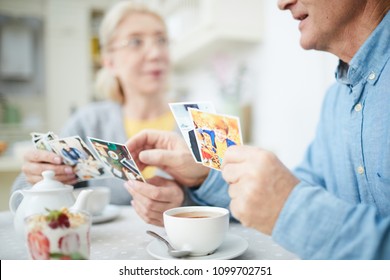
[13, 200]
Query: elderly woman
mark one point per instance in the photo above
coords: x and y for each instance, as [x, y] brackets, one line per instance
[136, 66]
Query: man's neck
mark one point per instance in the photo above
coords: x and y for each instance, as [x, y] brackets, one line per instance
[358, 32]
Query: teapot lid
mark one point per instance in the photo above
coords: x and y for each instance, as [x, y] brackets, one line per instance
[48, 182]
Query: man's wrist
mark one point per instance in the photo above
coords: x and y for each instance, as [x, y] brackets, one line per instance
[200, 180]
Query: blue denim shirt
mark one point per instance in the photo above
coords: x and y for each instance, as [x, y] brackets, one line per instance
[341, 207]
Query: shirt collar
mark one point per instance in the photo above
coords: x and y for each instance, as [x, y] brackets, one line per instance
[370, 59]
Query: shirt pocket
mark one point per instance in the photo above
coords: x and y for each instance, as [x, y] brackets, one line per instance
[383, 178]
[381, 192]
[383, 170]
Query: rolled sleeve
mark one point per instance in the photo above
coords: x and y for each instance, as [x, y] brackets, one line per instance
[213, 191]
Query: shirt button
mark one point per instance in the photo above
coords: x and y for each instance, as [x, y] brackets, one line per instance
[360, 170]
[358, 107]
[371, 76]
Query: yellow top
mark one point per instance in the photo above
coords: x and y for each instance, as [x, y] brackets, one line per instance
[132, 127]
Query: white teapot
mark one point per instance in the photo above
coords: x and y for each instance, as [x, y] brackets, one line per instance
[46, 194]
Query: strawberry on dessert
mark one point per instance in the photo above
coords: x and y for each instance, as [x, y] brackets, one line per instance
[38, 245]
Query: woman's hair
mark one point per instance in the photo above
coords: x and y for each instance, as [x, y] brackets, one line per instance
[106, 84]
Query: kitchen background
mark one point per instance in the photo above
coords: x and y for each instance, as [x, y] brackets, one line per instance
[243, 55]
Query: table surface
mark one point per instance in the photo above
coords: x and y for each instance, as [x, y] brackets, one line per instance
[124, 238]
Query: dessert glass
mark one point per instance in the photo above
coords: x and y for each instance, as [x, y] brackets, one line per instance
[59, 235]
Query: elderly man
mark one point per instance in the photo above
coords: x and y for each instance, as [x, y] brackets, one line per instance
[336, 205]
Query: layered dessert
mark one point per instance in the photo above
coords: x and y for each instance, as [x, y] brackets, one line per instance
[59, 234]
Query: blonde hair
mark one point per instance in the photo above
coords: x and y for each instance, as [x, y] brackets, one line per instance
[107, 85]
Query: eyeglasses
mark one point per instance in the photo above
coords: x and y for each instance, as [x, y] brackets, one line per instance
[141, 43]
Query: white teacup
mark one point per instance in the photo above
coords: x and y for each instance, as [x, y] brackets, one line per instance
[97, 200]
[199, 229]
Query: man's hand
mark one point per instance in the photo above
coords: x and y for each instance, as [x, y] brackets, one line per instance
[259, 185]
[37, 161]
[151, 199]
[169, 152]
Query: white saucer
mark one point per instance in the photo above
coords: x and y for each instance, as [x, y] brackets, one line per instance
[232, 247]
[109, 213]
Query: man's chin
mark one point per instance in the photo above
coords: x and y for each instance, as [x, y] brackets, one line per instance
[306, 45]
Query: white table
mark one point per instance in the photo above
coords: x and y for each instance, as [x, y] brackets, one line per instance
[125, 239]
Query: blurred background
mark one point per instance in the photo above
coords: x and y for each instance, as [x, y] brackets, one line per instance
[243, 55]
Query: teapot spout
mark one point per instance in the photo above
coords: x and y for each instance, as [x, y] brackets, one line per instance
[82, 201]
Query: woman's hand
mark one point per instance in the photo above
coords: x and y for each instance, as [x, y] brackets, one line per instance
[37, 161]
[151, 199]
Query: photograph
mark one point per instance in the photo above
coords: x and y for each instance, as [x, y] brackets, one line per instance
[76, 153]
[117, 158]
[186, 125]
[214, 134]
[40, 140]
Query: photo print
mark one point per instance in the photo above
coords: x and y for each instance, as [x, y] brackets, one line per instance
[76, 153]
[186, 125]
[214, 134]
[117, 158]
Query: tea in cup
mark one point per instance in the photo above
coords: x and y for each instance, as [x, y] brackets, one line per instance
[199, 229]
[59, 235]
